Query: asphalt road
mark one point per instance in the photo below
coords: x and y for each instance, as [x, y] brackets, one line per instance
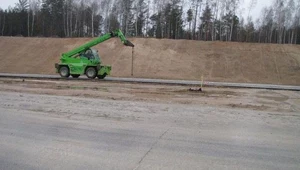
[54, 132]
[162, 81]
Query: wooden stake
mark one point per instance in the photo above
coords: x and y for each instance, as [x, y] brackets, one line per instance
[202, 82]
[132, 61]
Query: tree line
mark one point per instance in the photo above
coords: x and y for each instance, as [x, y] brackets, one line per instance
[207, 20]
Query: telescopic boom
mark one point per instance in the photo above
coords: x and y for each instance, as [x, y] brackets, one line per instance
[105, 37]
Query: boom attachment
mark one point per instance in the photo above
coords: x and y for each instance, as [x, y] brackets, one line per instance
[119, 34]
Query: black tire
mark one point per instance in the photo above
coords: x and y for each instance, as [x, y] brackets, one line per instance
[75, 75]
[102, 76]
[91, 72]
[64, 71]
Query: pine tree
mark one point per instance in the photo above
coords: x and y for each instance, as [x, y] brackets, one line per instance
[206, 24]
[141, 11]
[113, 20]
[173, 20]
[127, 16]
[53, 15]
[190, 17]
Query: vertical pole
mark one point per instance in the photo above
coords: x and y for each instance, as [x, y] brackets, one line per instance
[202, 82]
[132, 61]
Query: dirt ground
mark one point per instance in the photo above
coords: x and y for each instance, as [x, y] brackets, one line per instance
[250, 99]
[166, 59]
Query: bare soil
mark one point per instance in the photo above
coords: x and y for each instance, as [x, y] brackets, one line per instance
[166, 59]
[250, 99]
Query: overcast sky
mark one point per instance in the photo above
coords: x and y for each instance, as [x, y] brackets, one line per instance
[5, 3]
[255, 12]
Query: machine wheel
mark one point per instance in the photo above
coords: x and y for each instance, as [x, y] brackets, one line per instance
[75, 75]
[91, 72]
[64, 71]
[102, 76]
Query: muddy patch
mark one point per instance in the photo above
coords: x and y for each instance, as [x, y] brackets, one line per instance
[249, 106]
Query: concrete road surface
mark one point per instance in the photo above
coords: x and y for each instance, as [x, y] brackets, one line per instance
[54, 132]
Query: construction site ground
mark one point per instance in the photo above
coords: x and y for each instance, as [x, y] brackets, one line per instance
[163, 59]
[60, 124]
[55, 123]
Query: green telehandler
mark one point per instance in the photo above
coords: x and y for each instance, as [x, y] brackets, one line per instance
[84, 60]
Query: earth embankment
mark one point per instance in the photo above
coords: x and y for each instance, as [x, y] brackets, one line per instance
[165, 59]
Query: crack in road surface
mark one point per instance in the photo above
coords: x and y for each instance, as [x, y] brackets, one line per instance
[152, 146]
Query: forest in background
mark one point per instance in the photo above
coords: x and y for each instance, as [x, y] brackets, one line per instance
[206, 20]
